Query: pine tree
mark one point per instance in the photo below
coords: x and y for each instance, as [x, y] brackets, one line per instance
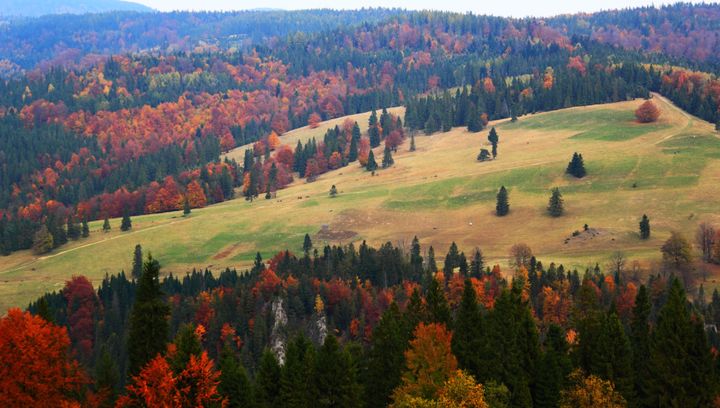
[613, 356]
[416, 259]
[267, 381]
[555, 206]
[299, 367]
[387, 160]
[477, 264]
[467, 342]
[107, 376]
[186, 207]
[106, 225]
[412, 142]
[371, 164]
[680, 360]
[502, 207]
[234, 383]
[336, 376]
[126, 223]
[644, 227]
[640, 340]
[186, 344]
[494, 140]
[385, 357]
[576, 167]
[148, 331]
[373, 130]
[437, 304]
[137, 266]
[85, 228]
[307, 244]
[353, 153]
[432, 266]
[474, 124]
[554, 368]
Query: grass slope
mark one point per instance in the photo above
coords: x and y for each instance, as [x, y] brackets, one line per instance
[669, 170]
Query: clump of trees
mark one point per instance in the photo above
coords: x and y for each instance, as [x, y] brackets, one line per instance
[576, 167]
[647, 112]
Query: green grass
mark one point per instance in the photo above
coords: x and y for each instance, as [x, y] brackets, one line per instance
[441, 194]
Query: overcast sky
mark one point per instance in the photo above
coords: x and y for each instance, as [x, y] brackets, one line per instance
[514, 8]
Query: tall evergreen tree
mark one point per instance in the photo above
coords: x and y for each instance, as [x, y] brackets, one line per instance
[373, 130]
[431, 265]
[387, 160]
[85, 228]
[307, 244]
[234, 384]
[680, 360]
[645, 227]
[576, 167]
[477, 264]
[640, 340]
[295, 388]
[555, 206]
[494, 140]
[186, 207]
[467, 342]
[502, 207]
[336, 376]
[554, 368]
[149, 328]
[137, 265]
[416, 259]
[474, 124]
[437, 304]
[107, 376]
[371, 163]
[385, 357]
[353, 152]
[126, 223]
[412, 142]
[613, 356]
[267, 381]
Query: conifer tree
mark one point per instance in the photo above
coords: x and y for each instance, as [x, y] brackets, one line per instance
[477, 264]
[267, 381]
[576, 167]
[387, 160]
[412, 142]
[494, 140]
[186, 207]
[307, 244]
[385, 357]
[613, 356]
[137, 266]
[106, 225]
[336, 376]
[186, 344]
[474, 124]
[43, 241]
[680, 360]
[234, 382]
[371, 164]
[555, 206]
[640, 340]
[148, 318]
[353, 153]
[437, 304]
[644, 227]
[502, 207]
[299, 367]
[554, 368]
[451, 261]
[467, 342]
[373, 130]
[73, 229]
[126, 223]
[416, 259]
[431, 265]
[85, 228]
[107, 376]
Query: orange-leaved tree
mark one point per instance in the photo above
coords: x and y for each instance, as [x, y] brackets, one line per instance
[35, 367]
[647, 112]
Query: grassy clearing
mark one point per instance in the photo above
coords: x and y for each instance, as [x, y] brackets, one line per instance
[669, 170]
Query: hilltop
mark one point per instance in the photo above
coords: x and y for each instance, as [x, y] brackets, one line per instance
[38, 8]
[668, 170]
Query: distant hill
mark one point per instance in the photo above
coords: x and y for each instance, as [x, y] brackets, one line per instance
[35, 8]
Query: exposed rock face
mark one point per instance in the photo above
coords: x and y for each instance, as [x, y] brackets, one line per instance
[278, 338]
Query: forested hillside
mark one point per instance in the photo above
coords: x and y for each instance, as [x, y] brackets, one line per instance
[124, 114]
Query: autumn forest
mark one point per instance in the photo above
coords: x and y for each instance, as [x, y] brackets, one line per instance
[119, 115]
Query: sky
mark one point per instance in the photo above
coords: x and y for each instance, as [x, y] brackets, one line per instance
[509, 8]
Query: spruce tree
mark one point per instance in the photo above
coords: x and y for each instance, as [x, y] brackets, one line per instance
[555, 206]
[493, 139]
[126, 223]
[307, 244]
[267, 381]
[416, 259]
[387, 160]
[576, 167]
[431, 265]
[554, 368]
[640, 341]
[148, 331]
[477, 264]
[107, 376]
[502, 207]
[371, 164]
[467, 342]
[353, 153]
[373, 130]
[85, 228]
[335, 376]
[186, 344]
[474, 124]
[385, 356]
[295, 389]
[680, 364]
[644, 227]
[613, 356]
[106, 225]
[234, 384]
[137, 266]
[437, 304]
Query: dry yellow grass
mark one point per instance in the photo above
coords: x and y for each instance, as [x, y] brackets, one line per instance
[441, 194]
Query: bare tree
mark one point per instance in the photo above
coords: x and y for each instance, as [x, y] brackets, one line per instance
[705, 238]
[617, 262]
[520, 255]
